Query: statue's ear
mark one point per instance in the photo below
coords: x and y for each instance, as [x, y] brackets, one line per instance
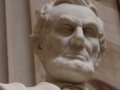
[36, 42]
[99, 56]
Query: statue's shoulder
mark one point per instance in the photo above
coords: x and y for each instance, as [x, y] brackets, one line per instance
[19, 86]
[44, 86]
[12, 86]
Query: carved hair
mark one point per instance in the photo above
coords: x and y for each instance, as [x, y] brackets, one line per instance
[43, 19]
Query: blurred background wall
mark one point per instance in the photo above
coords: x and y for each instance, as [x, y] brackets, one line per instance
[18, 63]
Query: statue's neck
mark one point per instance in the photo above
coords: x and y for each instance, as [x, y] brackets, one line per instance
[62, 84]
[70, 86]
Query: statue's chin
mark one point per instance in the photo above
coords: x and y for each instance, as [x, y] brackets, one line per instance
[70, 71]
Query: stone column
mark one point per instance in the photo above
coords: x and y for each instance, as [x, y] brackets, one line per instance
[19, 49]
[3, 45]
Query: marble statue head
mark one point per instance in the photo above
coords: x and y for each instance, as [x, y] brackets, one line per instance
[69, 40]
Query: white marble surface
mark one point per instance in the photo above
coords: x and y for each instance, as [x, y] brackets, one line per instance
[109, 67]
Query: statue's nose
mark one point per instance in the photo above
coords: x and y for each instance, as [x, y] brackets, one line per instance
[78, 37]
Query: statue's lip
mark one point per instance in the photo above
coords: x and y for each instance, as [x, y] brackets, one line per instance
[75, 56]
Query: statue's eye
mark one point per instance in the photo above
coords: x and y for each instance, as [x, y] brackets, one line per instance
[89, 32]
[65, 30]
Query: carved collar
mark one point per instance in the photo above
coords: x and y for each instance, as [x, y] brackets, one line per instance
[68, 86]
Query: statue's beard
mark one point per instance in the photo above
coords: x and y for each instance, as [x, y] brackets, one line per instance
[67, 70]
[75, 71]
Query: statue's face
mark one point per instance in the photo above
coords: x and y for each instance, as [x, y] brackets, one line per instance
[73, 43]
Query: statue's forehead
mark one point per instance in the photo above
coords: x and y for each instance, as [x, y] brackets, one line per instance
[72, 10]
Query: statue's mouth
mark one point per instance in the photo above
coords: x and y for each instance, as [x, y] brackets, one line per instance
[75, 56]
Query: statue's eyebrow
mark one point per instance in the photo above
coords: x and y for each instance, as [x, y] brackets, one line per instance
[90, 23]
[65, 18]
